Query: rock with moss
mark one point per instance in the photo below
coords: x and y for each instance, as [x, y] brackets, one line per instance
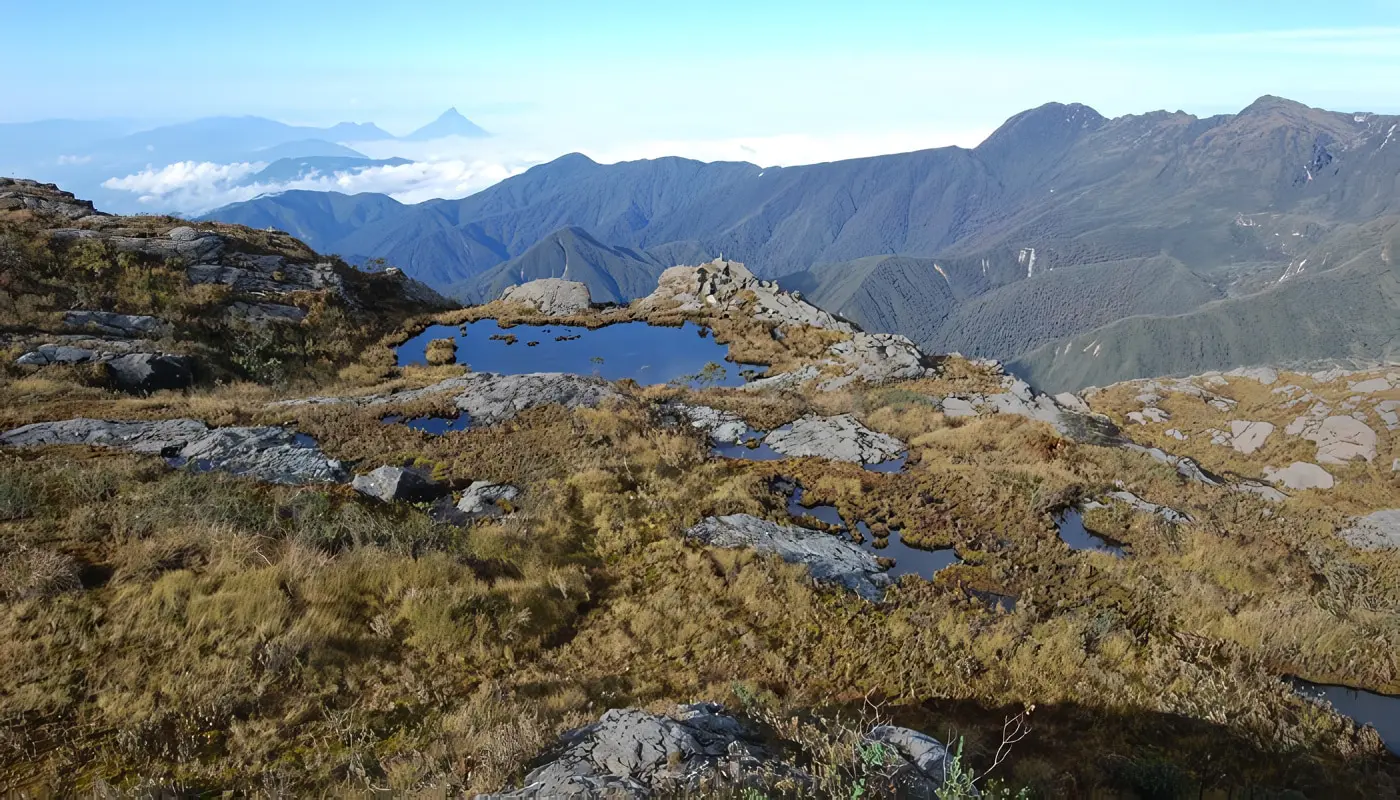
[1379, 530]
[123, 325]
[840, 438]
[829, 559]
[630, 753]
[486, 499]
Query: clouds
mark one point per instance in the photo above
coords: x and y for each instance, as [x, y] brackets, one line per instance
[196, 187]
[454, 168]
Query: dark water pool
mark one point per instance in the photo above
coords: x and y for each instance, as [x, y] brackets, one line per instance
[1073, 533]
[907, 560]
[1380, 711]
[436, 426]
[645, 353]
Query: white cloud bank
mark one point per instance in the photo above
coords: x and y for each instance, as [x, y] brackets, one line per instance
[454, 168]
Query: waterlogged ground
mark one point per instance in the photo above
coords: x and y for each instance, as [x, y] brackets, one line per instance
[648, 354]
[1073, 533]
[908, 560]
[1380, 711]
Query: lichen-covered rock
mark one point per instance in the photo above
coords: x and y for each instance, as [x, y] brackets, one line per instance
[259, 314]
[829, 559]
[151, 372]
[1267, 376]
[720, 426]
[484, 498]
[629, 753]
[1342, 439]
[271, 454]
[721, 285]
[1379, 530]
[916, 764]
[1300, 475]
[840, 438]
[877, 358]
[784, 380]
[390, 484]
[1247, 437]
[44, 198]
[109, 324]
[552, 297]
[49, 354]
[163, 437]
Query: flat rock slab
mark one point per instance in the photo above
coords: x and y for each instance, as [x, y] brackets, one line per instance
[1128, 498]
[271, 454]
[484, 499]
[110, 324]
[829, 558]
[839, 438]
[259, 314]
[1247, 437]
[1342, 439]
[1300, 475]
[1379, 530]
[551, 296]
[720, 426]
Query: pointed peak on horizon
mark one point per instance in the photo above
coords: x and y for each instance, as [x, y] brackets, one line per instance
[449, 123]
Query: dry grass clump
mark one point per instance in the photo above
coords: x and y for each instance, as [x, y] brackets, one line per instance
[441, 352]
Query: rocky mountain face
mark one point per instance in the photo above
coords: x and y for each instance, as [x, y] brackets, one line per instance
[1060, 223]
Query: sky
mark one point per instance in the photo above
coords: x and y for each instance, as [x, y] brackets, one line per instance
[777, 82]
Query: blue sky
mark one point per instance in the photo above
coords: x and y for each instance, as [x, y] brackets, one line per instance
[669, 70]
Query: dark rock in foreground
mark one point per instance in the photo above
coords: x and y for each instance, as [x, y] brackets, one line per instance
[140, 373]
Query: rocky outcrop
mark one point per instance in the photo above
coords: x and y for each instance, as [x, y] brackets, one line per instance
[722, 285]
[700, 751]
[1341, 439]
[783, 381]
[1168, 514]
[393, 484]
[259, 314]
[1300, 475]
[829, 559]
[130, 326]
[720, 426]
[840, 438]
[484, 499]
[553, 297]
[149, 372]
[1244, 436]
[271, 454]
[1379, 530]
[877, 358]
[44, 198]
[629, 753]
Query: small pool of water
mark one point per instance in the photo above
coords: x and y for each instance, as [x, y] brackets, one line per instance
[1073, 533]
[648, 354]
[1380, 711]
[907, 560]
[435, 426]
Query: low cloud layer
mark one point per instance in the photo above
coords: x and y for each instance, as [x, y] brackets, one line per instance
[454, 168]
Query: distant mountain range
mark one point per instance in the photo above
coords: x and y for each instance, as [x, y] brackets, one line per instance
[1083, 249]
[81, 155]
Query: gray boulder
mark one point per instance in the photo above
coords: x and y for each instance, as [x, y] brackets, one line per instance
[48, 354]
[629, 753]
[1379, 530]
[109, 324]
[916, 765]
[840, 438]
[150, 372]
[491, 398]
[483, 498]
[553, 297]
[1300, 475]
[877, 358]
[271, 454]
[720, 426]
[829, 559]
[391, 484]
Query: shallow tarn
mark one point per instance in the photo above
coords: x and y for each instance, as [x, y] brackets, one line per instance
[1070, 523]
[1380, 711]
[648, 354]
[907, 560]
[435, 426]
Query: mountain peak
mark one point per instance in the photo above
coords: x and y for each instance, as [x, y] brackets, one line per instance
[449, 123]
[1272, 103]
